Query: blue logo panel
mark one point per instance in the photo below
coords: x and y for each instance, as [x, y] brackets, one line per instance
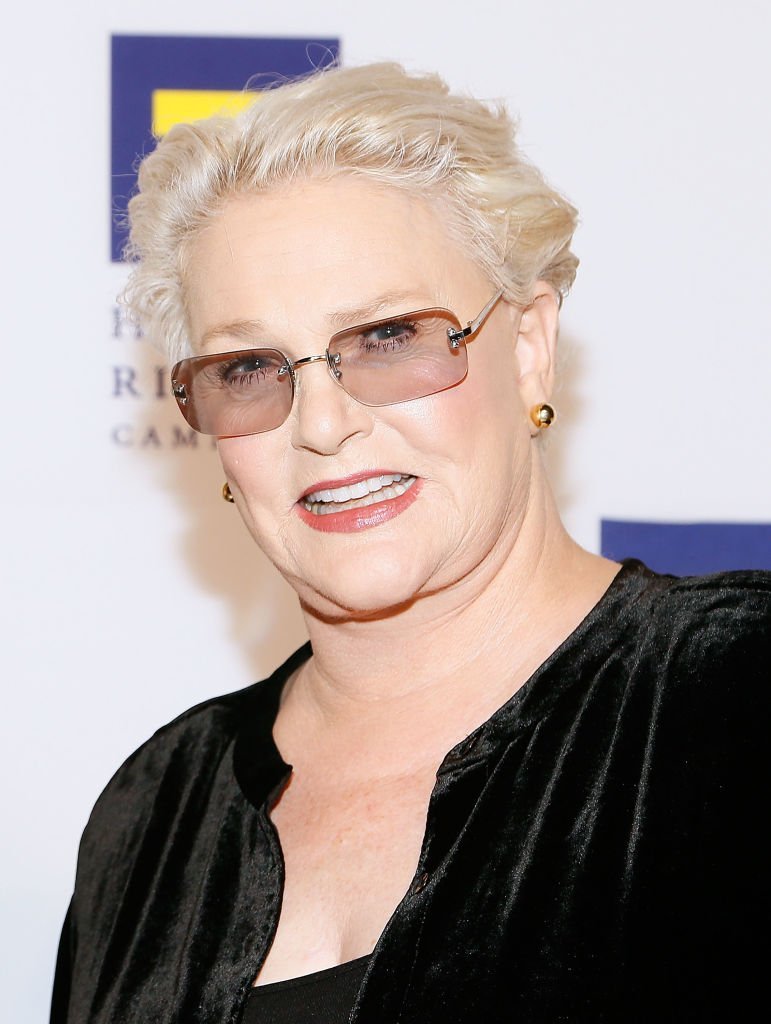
[687, 549]
[142, 65]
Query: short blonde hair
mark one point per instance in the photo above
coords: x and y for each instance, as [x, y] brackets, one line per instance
[401, 129]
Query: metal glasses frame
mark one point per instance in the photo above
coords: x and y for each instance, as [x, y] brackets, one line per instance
[455, 338]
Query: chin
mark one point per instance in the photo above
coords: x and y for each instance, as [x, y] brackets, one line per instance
[362, 593]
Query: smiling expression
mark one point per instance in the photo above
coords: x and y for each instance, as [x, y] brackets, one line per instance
[363, 509]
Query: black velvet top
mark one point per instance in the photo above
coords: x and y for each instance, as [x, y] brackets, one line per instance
[595, 851]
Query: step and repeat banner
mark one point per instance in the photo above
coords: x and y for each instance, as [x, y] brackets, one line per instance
[131, 588]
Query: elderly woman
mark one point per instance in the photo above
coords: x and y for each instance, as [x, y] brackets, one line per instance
[506, 780]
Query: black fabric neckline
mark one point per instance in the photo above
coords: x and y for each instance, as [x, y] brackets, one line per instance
[317, 977]
[260, 770]
[257, 764]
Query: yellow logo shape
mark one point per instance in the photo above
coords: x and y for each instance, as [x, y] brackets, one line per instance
[178, 106]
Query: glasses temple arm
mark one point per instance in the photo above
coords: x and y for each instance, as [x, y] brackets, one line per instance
[473, 325]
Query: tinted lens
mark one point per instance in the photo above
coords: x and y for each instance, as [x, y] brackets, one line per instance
[399, 359]
[234, 393]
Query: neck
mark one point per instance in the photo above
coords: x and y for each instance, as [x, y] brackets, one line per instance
[412, 684]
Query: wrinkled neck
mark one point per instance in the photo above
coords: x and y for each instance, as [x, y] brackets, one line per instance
[430, 672]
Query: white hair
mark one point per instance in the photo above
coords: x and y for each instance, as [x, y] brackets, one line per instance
[401, 129]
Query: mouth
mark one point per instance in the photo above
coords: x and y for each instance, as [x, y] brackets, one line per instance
[360, 494]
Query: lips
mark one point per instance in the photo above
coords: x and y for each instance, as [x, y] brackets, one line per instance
[357, 502]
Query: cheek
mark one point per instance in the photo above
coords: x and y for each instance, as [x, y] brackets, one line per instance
[485, 416]
[256, 467]
[493, 443]
[239, 455]
[475, 446]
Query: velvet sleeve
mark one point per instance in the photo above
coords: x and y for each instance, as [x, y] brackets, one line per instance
[60, 998]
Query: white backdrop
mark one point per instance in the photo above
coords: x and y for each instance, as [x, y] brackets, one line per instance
[131, 590]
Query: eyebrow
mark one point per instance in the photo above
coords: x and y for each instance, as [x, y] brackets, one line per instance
[352, 315]
[348, 316]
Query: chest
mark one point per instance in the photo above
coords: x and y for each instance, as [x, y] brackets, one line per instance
[554, 875]
[350, 853]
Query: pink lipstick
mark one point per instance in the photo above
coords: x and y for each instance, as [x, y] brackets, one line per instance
[357, 502]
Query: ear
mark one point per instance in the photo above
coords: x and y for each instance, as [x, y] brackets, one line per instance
[537, 345]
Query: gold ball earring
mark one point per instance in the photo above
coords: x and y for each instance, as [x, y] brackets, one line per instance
[542, 415]
[226, 492]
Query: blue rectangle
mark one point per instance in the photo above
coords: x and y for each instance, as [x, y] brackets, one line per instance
[687, 549]
[141, 64]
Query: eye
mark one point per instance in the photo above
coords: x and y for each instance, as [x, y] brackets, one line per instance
[245, 372]
[389, 336]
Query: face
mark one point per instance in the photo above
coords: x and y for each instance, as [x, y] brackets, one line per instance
[308, 261]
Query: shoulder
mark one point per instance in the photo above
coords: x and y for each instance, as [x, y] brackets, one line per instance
[721, 618]
[742, 593]
[686, 660]
[181, 760]
[702, 657]
[194, 737]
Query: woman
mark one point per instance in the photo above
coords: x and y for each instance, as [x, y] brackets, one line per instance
[524, 780]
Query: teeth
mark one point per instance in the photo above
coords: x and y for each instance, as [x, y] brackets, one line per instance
[359, 495]
[358, 490]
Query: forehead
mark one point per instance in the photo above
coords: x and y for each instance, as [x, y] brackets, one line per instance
[305, 251]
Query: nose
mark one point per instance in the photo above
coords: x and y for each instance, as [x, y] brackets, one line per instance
[324, 416]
